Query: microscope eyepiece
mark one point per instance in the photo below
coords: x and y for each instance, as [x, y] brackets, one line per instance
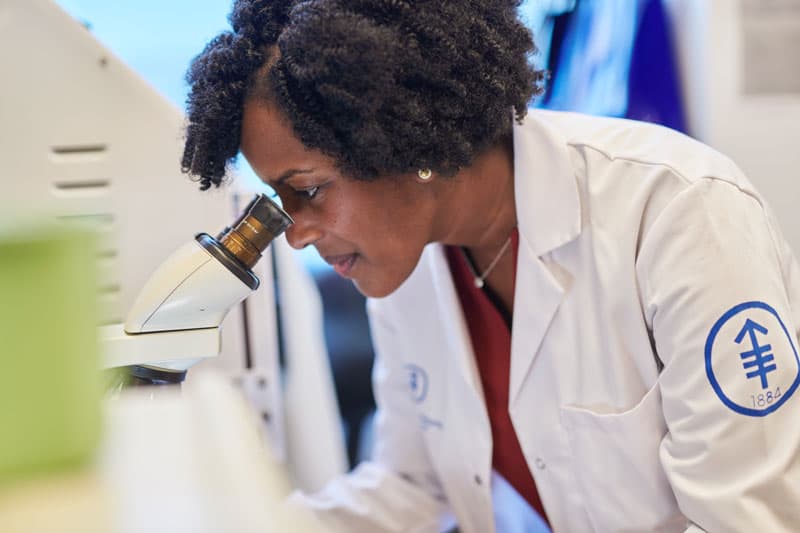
[261, 222]
[270, 214]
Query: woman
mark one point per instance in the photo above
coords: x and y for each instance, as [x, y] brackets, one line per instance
[649, 381]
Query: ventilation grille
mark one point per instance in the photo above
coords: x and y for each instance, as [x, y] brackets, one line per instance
[107, 262]
[78, 186]
[78, 152]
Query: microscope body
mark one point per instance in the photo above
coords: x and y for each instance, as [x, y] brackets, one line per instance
[175, 320]
[192, 289]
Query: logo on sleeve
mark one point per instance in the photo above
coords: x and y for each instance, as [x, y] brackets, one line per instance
[751, 359]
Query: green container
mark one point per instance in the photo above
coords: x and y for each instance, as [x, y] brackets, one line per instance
[50, 380]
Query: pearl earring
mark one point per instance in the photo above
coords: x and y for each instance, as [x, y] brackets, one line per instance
[424, 174]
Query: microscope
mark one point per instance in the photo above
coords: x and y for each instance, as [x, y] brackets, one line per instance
[175, 320]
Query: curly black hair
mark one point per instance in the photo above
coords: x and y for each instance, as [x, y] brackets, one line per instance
[384, 87]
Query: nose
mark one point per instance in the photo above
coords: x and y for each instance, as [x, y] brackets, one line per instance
[302, 233]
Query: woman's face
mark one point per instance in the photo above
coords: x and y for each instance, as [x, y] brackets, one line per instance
[371, 232]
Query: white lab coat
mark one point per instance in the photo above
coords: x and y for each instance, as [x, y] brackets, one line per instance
[648, 268]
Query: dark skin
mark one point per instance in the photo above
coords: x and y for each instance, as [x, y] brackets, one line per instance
[373, 232]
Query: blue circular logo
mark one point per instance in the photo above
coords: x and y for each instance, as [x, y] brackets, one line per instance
[417, 382]
[751, 359]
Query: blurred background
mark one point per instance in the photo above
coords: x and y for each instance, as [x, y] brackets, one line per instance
[91, 135]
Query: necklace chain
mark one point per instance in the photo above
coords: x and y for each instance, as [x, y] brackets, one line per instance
[480, 280]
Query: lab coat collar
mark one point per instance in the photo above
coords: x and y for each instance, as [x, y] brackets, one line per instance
[455, 344]
[548, 216]
[454, 323]
[546, 193]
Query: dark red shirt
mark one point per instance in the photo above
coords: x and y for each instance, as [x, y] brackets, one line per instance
[490, 332]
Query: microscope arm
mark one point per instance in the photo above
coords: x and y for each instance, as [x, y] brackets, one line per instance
[174, 351]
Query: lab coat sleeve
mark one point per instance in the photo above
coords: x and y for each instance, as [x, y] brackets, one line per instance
[397, 490]
[720, 292]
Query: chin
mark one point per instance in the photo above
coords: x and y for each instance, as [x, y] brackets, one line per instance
[375, 290]
[375, 282]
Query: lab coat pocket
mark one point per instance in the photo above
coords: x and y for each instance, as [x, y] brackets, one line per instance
[616, 464]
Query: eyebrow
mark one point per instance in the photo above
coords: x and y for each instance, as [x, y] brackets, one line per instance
[291, 172]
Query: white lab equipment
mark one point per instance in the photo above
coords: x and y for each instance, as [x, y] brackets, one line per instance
[182, 305]
[209, 471]
[89, 142]
[192, 461]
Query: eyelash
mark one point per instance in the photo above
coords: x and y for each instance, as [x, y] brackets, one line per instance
[309, 194]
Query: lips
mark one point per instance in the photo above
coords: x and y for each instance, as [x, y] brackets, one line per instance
[342, 264]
